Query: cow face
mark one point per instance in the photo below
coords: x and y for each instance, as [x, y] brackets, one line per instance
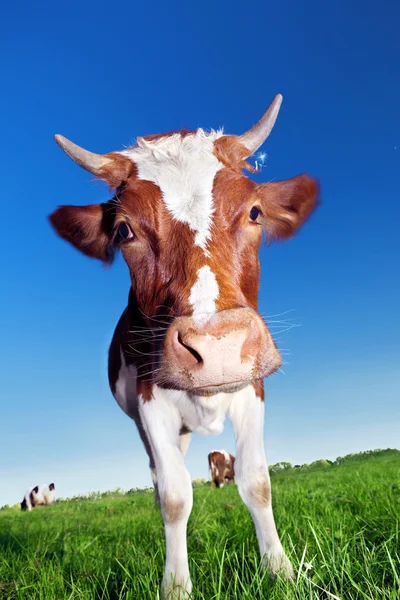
[189, 223]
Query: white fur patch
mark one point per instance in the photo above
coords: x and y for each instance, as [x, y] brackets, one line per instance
[204, 414]
[44, 496]
[227, 457]
[225, 453]
[184, 170]
[201, 414]
[204, 292]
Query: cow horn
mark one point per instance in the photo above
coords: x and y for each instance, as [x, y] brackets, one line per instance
[257, 135]
[88, 160]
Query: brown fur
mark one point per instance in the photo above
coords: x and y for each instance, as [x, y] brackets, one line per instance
[261, 493]
[172, 509]
[232, 153]
[119, 171]
[259, 388]
[88, 228]
[286, 205]
[158, 136]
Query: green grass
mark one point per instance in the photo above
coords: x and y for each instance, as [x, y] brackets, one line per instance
[344, 520]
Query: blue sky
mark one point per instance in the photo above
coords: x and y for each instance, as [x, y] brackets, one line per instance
[101, 75]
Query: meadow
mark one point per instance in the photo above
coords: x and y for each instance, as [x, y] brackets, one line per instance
[339, 523]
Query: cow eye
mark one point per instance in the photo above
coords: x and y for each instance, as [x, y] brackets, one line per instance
[124, 233]
[254, 213]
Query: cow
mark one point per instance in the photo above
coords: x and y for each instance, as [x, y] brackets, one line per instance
[191, 348]
[222, 467]
[40, 495]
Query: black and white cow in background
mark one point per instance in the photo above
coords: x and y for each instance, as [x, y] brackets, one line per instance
[40, 495]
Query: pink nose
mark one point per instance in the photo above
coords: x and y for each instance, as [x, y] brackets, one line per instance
[217, 354]
[229, 350]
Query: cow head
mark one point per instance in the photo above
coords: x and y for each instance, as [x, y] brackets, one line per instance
[189, 223]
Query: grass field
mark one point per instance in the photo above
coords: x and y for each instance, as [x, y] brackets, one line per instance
[343, 520]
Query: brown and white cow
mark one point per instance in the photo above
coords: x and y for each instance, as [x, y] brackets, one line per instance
[222, 467]
[191, 348]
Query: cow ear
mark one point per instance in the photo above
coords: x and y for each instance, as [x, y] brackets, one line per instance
[36, 489]
[285, 205]
[88, 228]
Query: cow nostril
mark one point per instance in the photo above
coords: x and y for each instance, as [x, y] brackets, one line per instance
[191, 350]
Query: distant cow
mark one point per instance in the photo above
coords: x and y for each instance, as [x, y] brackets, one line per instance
[221, 465]
[40, 495]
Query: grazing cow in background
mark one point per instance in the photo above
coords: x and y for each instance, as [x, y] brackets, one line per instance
[40, 495]
[222, 467]
[191, 348]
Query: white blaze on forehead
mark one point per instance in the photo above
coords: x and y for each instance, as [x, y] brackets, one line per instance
[225, 453]
[184, 169]
[227, 457]
[204, 293]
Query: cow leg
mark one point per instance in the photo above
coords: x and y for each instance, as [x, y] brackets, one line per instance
[161, 423]
[154, 479]
[246, 413]
[184, 441]
[211, 471]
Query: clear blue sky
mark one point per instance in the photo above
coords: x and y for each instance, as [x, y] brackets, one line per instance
[101, 74]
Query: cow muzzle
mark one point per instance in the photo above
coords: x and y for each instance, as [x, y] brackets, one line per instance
[221, 353]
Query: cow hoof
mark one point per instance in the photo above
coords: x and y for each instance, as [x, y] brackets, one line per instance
[173, 590]
[278, 564]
